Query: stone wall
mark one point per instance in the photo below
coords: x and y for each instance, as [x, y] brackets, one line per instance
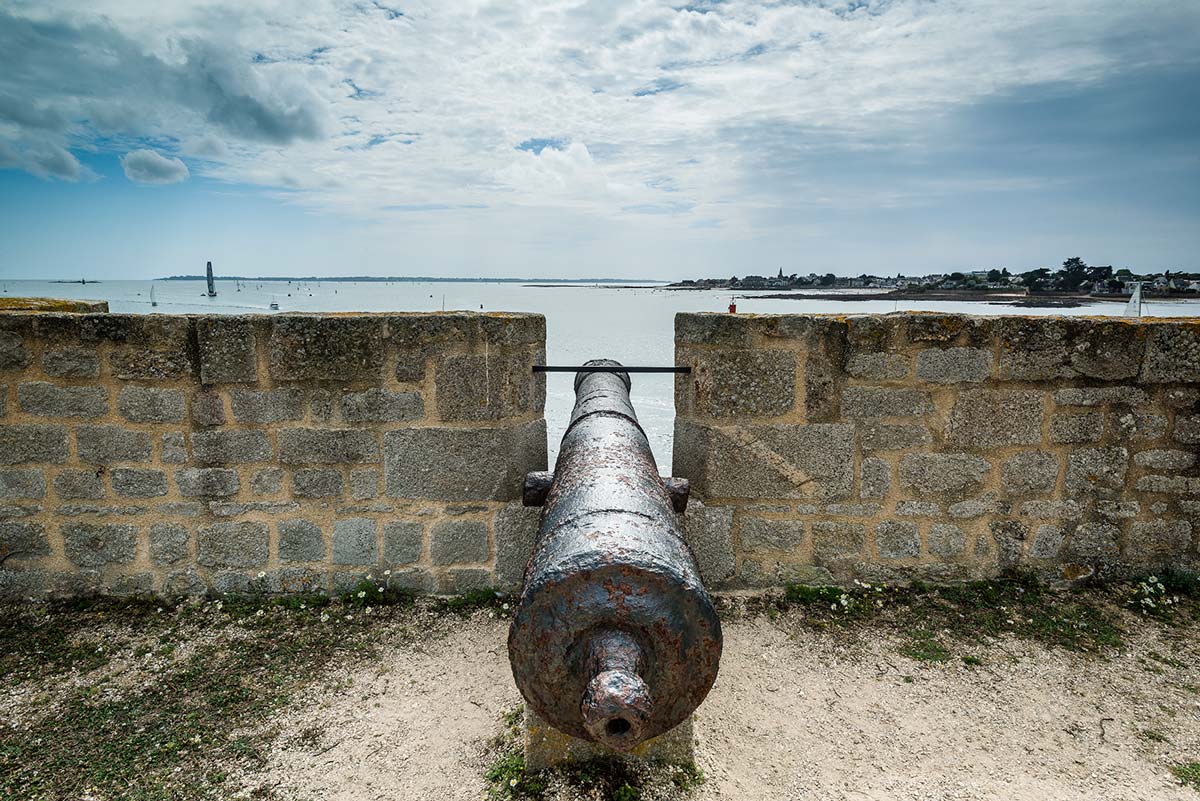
[185, 454]
[940, 447]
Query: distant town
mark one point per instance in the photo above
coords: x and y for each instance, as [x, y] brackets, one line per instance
[1075, 277]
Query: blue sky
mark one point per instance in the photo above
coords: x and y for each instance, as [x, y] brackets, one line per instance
[596, 137]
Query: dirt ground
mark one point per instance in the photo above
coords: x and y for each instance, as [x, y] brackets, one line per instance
[797, 713]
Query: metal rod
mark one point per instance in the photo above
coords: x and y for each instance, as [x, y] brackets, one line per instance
[546, 368]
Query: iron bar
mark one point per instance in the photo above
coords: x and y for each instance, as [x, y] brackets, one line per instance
[606, 368]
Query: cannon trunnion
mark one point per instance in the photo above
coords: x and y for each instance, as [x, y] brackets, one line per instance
[615, 639]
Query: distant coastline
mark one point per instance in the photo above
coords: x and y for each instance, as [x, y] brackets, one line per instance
[1048, 300]
[412, 279]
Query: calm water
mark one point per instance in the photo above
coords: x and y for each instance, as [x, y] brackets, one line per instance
[633, 326]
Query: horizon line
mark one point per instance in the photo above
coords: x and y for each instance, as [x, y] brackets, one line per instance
[410, 278]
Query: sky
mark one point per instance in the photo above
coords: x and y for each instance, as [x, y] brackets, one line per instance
[582, 138]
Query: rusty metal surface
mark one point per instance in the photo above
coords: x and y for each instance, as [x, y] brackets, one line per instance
[536, 487]
[680, 489]
[614, 639]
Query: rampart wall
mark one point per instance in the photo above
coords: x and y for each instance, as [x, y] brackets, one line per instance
[190, 454]
[195, 454]
[940, 447]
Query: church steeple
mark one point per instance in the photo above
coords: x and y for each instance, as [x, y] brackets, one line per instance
[781, 272]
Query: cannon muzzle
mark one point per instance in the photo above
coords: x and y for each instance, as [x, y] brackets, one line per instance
[614, 639]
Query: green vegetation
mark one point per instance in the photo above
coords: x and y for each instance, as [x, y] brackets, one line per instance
[371, 593]
[1160, 593]
[508, 779]
[1188, 773]
[203, 670]
[1088, 618]
[924, 647]
[1074, 276]
[139, 698]
[602, 779]
[478, 599]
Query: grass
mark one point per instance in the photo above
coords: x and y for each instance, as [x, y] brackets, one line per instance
[600, 779]
[140, 699]
[145, 700]
[150, 741]
[1086, 620]
[1188, 773]
[924, 647]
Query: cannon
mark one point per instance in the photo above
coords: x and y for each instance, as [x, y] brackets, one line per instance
[614, 639]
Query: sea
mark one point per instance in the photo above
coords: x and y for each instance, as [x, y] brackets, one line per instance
[633, 324]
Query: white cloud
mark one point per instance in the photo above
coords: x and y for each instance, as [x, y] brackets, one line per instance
[45, 159]
[705, 117]
[148, 167]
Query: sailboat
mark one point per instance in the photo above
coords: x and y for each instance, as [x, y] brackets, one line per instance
[153, 302]
[1134, 307]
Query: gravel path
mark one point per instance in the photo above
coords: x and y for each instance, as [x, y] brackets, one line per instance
[797, 713]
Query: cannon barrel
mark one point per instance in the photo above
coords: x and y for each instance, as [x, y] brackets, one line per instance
[614, 639]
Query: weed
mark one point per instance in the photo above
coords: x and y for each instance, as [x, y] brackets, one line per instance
[1014, 605]
[626, 793]
[1152, 597]
[1188, 773]
[924, 648]
[688, 777]
[860, 601]
[478, 599]
[368, 592]
[806, 595]
[509, 779]
[1183, 583]
[972, 661]
[166, 737]
[512, 718]
[606, 779]
[1166, 660]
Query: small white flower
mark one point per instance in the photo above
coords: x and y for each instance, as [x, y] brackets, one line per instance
[259, 613]
[324, 617]
[387, 572]
[504, 607]
[362, 593]
[512, 782]
[262, 574]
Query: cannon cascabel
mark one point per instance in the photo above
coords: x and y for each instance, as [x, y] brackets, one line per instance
[615, 639]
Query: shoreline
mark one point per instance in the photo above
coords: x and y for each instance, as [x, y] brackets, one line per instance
[1039, 301]
[991, 298]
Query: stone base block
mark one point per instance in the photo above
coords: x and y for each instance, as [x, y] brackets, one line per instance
[547, 747]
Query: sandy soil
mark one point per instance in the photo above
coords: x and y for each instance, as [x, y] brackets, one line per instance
[795, 714]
